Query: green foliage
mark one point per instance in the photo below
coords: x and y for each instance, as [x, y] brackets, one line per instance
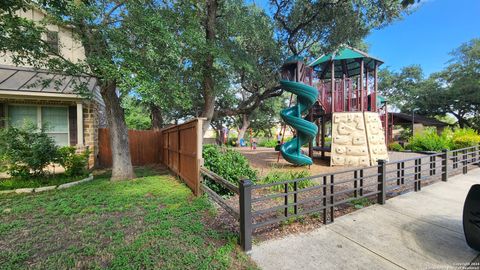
[44, 181]
[456, 139]
[26, 152]
[302, 24]
[271, 143]
[277, 176]
[405, 134]
[361, 203]
[395, 146]
[429, 140]
[229, 164]
[73, 163]
[148, 223]
[465, 137]
[136, 114]
[232, 141]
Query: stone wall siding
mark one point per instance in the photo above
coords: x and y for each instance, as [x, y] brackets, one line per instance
[90, 121]
[90, 130]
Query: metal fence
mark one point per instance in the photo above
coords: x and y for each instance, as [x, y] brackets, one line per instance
[326, 195]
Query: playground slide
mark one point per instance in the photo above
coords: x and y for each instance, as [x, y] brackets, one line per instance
[306, 130]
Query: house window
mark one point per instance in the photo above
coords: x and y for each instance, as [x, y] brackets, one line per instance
[53, 119]
[21, 116]
[55, 122]
[52, 40]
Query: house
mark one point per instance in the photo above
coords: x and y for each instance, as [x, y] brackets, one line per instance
[51, 100]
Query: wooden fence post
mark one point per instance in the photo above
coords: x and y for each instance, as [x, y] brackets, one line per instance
[382, 169]
[199, 153]
[245, 187]
[445, 165]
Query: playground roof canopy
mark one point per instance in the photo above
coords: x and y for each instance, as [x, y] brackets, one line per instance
[346, 61]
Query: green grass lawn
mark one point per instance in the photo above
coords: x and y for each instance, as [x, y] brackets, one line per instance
[49, 180]
[150, 222]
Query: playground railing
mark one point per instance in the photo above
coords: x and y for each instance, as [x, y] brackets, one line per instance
[333, 194]
[205, 173]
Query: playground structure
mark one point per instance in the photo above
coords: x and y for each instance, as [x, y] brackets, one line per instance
[346, 82]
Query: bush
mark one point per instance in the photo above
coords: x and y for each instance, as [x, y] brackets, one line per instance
[26, 152]
[429, 140]
[229, 164]
[456, 139]
[278, 176]
[395, 146]
[74, 164]
[464, 137]
[232, 141]
[405, 134]
[271, 143]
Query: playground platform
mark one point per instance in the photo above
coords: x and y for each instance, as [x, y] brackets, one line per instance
[417, 230]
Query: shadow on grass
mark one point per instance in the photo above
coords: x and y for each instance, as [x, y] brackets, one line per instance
[140, 171]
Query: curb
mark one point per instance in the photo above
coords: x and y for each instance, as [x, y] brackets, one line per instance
[47, 188]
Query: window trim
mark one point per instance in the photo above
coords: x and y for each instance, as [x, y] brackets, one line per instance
[39, 116]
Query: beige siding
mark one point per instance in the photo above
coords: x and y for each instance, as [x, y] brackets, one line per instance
[70, 47]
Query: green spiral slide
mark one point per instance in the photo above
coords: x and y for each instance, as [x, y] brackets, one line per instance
[306, 130]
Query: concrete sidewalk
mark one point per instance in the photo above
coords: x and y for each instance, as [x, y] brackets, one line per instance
[417, 230]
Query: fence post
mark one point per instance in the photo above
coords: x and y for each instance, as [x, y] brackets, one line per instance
[477, 156]
[382, 187]
[286, 200]
[246, 214]
[419, 183]
[445, 165]
[465, 161]
[415, 177]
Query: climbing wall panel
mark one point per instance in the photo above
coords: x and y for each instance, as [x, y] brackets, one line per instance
[349, 141]
[357, 139]
[375, 137]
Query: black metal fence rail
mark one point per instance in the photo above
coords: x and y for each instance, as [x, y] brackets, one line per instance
[328, 190]
[205, 173]
[264, 205]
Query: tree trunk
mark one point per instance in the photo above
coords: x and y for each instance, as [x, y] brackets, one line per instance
[122, 168]
[244, 127]
[156, 116]
[208, 82]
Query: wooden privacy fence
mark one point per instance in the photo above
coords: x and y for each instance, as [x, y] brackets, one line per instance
[182, 151]
[178, 147]
[145, 147]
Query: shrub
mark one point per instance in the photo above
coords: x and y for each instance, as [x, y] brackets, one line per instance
[405, 134]
[271, 143]
[26, 152]
[229, 164]
[233, 141]
[450, 139]
[73, 163]
[464, 137]
[429, 140]
[395, 146]
[278, 176]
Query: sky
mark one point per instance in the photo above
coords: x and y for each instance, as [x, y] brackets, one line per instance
[424, 37]
[428, 35]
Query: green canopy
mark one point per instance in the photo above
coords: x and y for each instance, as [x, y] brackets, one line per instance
[346, 60]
